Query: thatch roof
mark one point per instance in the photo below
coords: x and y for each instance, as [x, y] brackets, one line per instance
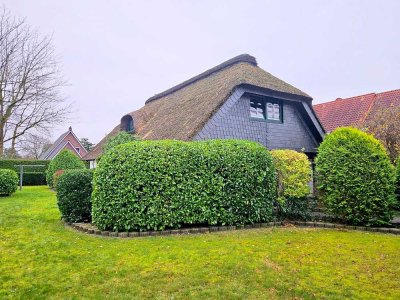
[180, 112]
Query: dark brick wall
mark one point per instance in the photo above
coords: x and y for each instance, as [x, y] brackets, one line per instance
[233, 121]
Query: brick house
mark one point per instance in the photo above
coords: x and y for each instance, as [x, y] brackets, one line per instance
[67, 141]
[234, 100]
[354, 111]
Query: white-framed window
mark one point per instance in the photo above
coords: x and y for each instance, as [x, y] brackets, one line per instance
[257, 108]
[273, 111]
[266, 109]
[78, 149]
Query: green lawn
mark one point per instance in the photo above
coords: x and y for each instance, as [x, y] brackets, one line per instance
[40, 258]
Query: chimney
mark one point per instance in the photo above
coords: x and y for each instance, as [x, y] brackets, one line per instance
[70, 128]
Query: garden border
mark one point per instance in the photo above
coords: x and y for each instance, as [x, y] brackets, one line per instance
[91, 229]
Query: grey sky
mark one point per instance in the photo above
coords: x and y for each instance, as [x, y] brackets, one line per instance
[116, 54]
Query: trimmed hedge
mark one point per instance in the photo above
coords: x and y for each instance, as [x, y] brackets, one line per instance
[167, 184]
[10, 164]
[74, 190]
[65, 160]
[8, 182]
[33, 178]
[293, 177]
[355, 177]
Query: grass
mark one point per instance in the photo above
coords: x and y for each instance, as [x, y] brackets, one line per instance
[40, 258]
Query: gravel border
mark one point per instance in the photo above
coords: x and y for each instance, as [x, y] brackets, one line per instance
[91, 229]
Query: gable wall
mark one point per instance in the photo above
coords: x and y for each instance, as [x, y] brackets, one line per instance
[70, 138]
[232, 121]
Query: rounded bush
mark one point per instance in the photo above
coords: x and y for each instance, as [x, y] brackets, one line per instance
[74, 190]
[293, 177]
[65, 160]
[167, 184]
[8, 182]
[355, 177]
[122, 137]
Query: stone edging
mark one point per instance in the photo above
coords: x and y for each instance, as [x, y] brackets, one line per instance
[91, 229]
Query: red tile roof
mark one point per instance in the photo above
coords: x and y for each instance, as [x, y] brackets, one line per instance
[354, 110]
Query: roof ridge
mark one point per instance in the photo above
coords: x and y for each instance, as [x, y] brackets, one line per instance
[388, 91]
[242, 58]
[344, 99]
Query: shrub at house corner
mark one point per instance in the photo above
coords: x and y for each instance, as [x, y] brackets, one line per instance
[293, 176]
[74, 190]
[168, 184]
[356, 178]
[122, 137]
[65, 160]
[8, 182]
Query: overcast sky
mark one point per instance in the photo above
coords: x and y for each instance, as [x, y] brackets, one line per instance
[116, 54]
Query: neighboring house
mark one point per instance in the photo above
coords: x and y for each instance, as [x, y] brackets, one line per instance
[354, 111]
[68, 140]
[234, 100]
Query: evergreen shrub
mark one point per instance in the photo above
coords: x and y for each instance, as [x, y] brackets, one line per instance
[168, 184]
[74, 190]
[8, 182]
[65, 160]
[355, 177]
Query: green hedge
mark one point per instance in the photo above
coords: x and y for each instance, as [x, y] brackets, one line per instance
[355, 177]
[8, 182]
[65, 160]
[33, 178]
[10, 164]
[167, 184]
[74, 190]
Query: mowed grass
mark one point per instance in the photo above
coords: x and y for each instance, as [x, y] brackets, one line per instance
[40, 258]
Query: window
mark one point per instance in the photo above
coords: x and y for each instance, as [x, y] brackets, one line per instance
[127, 124]
[273, 111]
[78, 149]
[266, 109]
[257, 109]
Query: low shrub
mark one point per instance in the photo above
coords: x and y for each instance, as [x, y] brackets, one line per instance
[355, 177]
[74, 190]
[167, 184]
[8, 182]
[65, 160]
[293, 177]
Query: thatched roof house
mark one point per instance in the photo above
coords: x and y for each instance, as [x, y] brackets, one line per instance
[235, 99]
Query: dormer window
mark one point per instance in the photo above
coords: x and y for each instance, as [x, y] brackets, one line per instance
[267, 109]
[257, 108]
[127, 124]
[273, 111]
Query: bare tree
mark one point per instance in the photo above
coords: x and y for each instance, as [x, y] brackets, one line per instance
[384, 124]
[30, 82]
[33, 145]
